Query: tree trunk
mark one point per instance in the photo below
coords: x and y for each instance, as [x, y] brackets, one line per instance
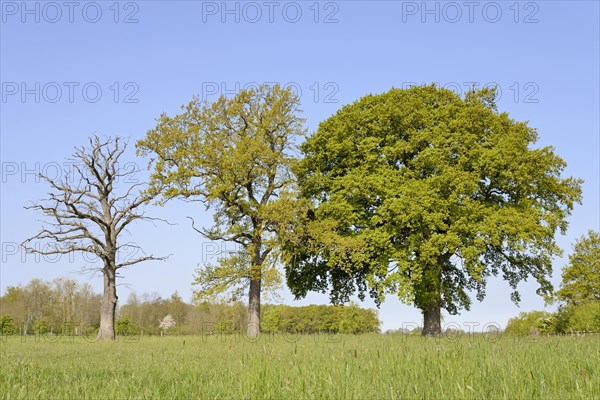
[432, 320]
[254, 308]
[109, 306]
[253, 329]
[432, 306]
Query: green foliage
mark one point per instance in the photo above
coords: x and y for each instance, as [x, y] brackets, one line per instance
[424, 194]
[584, 317]
[319, 319]
[41, 327]
[356, 320]
[561, 319]
[7, 325]
[231, 276]
[581, 278]
[124, 327]
[226, 318]
[533, 322]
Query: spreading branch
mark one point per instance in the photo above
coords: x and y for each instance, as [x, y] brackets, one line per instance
[84, 210]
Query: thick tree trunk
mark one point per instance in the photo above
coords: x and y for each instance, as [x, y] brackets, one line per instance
[431, 307]
[253, 329]
[432, 321]
[109, 306]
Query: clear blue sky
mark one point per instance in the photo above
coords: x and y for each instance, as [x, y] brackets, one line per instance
[544, 56]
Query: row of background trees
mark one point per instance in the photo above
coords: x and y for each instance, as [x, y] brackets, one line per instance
[419, 193]
[567, 320]
[64, 306]
[42, 307]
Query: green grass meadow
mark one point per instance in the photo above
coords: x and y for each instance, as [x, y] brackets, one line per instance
[369, 366]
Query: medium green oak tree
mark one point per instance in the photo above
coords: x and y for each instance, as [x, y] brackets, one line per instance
[234, 155]
[426, 194]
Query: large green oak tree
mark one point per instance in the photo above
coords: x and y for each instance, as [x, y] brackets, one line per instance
[425, 194]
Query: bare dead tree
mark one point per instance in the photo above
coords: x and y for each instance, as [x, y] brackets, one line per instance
[85, 214]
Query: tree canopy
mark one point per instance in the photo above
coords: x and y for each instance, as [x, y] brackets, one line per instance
[426, 194]
[581, 278]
